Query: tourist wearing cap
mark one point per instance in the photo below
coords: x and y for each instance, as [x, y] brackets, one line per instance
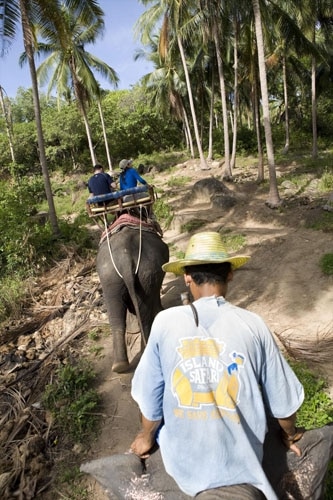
[207, 377]
[129, 176]
[100, 182]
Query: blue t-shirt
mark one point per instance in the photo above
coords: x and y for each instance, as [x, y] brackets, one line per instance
[210, 385]
[130, 178]
[100, 183]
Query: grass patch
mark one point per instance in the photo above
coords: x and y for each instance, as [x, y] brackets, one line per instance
[72, 401]
[162, 161]
[69, 479]
[192, 225]
[12, 293]
[178, 181]
[316, 410]
[163, 212]
[326, 264]
[233, 242]
[323, 222]
[326, 181]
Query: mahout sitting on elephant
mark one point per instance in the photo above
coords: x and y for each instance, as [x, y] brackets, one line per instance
[129, 264]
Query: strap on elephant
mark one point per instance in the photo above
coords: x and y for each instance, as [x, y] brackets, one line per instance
[110, 250]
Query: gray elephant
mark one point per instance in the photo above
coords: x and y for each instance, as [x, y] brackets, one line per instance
[129, 265]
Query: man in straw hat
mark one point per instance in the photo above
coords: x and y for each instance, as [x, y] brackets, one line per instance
[208, 375]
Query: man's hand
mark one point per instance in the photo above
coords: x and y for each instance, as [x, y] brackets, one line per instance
[142, 444]
[289, 441]
[290, 434]
[145, 439]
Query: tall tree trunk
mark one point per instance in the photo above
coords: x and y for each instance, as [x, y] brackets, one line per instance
[187, 130]
[211, 121]
[227, 174]
[79, 93]
[104, 135]
[8, 124]
[286, 105]
[28, 46]
[314, 102]
[88, 132]
[203, 162]
[273, 200]
[235, 114]
[256, 120]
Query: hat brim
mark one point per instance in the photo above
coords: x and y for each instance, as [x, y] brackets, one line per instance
[178, 266]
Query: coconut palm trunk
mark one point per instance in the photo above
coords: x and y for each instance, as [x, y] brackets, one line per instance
[8, 124]
[286, 105]
[99, 104]
[235, 110]
[28, 46]
[273, 200]
[203, 162]
[227, 174]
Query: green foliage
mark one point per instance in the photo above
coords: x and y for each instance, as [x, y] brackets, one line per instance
[12, 292]
[323, 222]
[162, 161]
[72, 401]
[136, 127]
[246, 141]
[192, 225]
[27, 243]
[163, 212]
[317, 408]
[233, 242]
[71, 480]
[178, 181]
[326, 263]
[326, 181]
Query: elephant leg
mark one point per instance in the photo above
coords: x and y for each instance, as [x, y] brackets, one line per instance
[120, 361]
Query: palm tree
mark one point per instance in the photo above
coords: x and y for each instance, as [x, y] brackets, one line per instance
[28, 40]
[5, 107]
[73, 66]
[166, 87]
[47, 13]
[273, 200]
[174, 14]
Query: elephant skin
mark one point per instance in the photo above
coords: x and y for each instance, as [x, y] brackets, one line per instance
[125, 290]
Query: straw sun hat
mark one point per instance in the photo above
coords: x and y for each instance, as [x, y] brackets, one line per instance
[205, 248]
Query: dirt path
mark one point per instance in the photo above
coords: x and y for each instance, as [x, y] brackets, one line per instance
[282, 282]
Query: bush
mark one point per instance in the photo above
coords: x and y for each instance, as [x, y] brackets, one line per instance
[326, 263]
[72, 401]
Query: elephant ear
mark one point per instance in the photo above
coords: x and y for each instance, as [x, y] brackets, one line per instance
[127, 476]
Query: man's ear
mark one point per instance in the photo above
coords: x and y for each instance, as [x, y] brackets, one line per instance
[187, 279]
[230, 276]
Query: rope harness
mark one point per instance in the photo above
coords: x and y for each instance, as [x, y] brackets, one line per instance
[108, 231]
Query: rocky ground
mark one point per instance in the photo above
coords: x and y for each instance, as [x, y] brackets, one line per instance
[282, 282]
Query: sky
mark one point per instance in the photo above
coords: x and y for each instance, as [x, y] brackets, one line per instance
[116, 48]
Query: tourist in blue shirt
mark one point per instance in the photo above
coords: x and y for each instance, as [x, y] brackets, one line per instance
[129, 176]
[208, 376]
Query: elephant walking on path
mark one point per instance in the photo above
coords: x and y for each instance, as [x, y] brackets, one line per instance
[129, 265]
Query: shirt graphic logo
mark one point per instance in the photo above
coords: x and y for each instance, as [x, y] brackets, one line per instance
[202, 377]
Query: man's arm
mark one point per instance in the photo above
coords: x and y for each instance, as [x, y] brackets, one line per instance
[290, 433]
[145, 439]
[138, 177]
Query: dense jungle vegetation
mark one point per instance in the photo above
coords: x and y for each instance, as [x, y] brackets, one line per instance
[229, 80]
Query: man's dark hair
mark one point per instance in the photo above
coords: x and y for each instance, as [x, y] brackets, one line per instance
[209, 273]
[98, 167]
